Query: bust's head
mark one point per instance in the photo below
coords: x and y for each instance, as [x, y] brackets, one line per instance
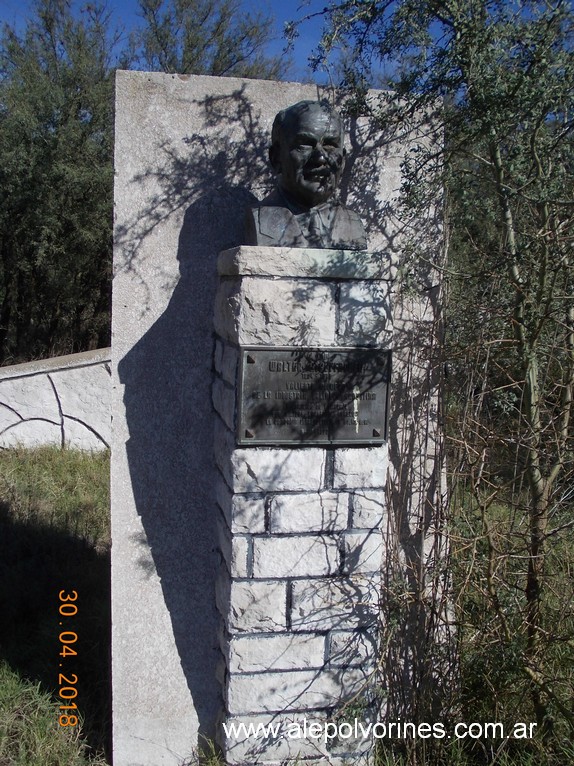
[307, 151]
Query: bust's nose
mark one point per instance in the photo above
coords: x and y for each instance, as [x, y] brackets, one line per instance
[318, 155]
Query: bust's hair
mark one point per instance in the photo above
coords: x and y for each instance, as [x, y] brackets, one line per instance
[283, 117]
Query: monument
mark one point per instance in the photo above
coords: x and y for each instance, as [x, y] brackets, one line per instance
[300, 589]
[254, 407]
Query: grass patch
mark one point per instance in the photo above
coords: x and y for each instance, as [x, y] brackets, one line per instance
[54, 536]
[29, 734]
[67, 490]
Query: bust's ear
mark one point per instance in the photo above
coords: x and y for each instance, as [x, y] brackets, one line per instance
[275, 157]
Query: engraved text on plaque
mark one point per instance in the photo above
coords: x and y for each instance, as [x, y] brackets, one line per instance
[313, 396]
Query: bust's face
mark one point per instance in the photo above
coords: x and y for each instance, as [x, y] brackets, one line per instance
[310, 155]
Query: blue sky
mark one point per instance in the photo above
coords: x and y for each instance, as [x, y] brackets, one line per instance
[124, 13]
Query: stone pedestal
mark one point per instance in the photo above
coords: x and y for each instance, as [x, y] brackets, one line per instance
[302, 528]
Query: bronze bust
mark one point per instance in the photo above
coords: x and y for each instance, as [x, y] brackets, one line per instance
[308, 155]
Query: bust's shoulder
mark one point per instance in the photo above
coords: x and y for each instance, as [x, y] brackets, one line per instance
[270, 215]
[347, 228]
[271, 224]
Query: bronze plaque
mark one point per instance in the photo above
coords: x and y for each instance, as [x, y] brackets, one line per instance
[313, 396]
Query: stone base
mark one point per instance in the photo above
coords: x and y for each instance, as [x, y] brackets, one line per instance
[302, 528]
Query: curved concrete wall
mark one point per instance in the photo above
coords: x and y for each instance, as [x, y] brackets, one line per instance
[65, 401]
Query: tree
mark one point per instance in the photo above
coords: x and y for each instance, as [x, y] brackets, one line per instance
[56, 153]
[497, 79]
[213, 37]
[56, 93]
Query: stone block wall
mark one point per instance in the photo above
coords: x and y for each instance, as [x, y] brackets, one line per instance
[63, 401]
[302, 529]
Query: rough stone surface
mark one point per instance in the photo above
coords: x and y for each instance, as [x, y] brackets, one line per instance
[254, 606]
[369, 509]
[65, 401]
[339, 603]
[307, 262]
[295, 651]
[243, 513]
[365, 315]
[307, 740]
[363, 552]
[267, 469]
[226, 358]
[410, 310]
[292, 690]
[357, 760]
[153, 731]
[358, 468]
[352, 648]
[283, 312]
[29, 398]
[297, 556]
[274, 469]
[316, 512]
[32, 433]
[223, 397]
[80, 435]
[235, 551]
[84, 394]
